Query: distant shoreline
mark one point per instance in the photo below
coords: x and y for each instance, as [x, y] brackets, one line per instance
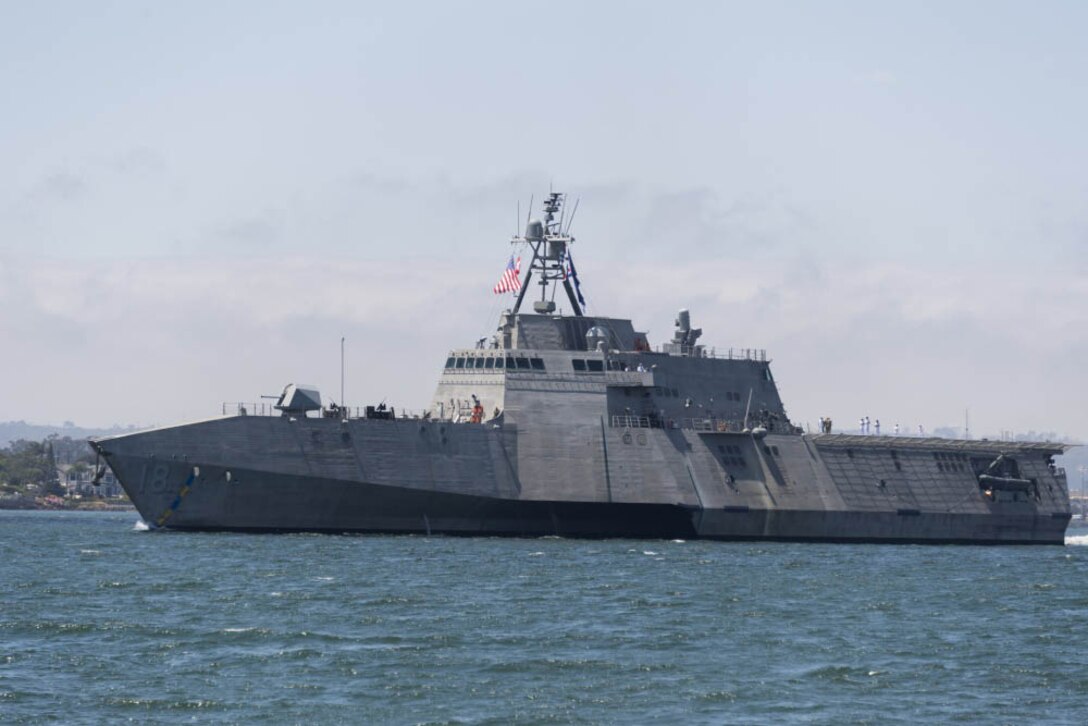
[81, 506]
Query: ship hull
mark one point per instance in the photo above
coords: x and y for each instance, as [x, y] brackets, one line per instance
[383, 479]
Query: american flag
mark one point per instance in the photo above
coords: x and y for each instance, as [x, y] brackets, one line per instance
[511, 277]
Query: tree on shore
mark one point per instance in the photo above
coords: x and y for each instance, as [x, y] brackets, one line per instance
[30, 463]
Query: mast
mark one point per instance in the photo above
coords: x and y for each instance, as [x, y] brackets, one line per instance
[549, 242]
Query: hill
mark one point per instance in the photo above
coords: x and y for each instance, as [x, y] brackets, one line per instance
[16, 430]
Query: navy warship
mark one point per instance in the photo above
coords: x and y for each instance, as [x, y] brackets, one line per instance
[575, 425]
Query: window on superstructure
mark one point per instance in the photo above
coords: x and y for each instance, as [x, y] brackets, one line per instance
[479, 362]
[595, 366]
[579, 364]
[498, 362]
[489, 363]
[449, 362]
[460, 362]
[537, 364]
[523, 363]
[510, 362]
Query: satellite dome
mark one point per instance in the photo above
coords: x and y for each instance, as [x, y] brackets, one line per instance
[534, 230]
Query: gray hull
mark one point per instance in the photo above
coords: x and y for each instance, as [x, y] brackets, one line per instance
[574, 425]
[257, 474]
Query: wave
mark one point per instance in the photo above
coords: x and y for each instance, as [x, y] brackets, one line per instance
[1077, 539]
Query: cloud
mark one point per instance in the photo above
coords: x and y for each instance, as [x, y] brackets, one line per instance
[156, 340]
[138, 160]
[404, 271]
[60, 186]
[254, 233]
[159, 340]
[879, 77]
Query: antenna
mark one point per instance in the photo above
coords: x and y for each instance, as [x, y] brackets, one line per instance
[747, 409]
[572, 213]
[549, 249]
[342, 372]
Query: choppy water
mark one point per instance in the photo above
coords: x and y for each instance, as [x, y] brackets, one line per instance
[103, 623]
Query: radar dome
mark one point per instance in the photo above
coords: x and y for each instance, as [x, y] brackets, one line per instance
[534, 230]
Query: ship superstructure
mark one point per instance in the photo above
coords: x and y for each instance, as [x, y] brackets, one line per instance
[575, 425]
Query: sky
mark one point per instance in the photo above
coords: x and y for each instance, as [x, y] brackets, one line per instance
[198, 200]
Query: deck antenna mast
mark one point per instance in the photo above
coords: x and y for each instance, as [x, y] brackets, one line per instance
[573, 212]
[548, 241]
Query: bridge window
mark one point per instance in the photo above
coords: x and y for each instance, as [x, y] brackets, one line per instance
[489, 363]
[537, 364]
[479, 362]
[498, 362]
[523, 363]
[460, 362]
[595, 366]
[510, 362]
[449, 362]
[579, 364]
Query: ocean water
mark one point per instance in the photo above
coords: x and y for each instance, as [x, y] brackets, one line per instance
[101, 622]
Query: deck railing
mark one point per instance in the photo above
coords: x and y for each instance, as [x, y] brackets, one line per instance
[262, 408]
[694, 424]
[699, 351]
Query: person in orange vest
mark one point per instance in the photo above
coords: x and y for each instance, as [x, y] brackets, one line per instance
[477, 411]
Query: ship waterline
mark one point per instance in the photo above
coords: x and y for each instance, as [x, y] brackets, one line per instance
[414, 476]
